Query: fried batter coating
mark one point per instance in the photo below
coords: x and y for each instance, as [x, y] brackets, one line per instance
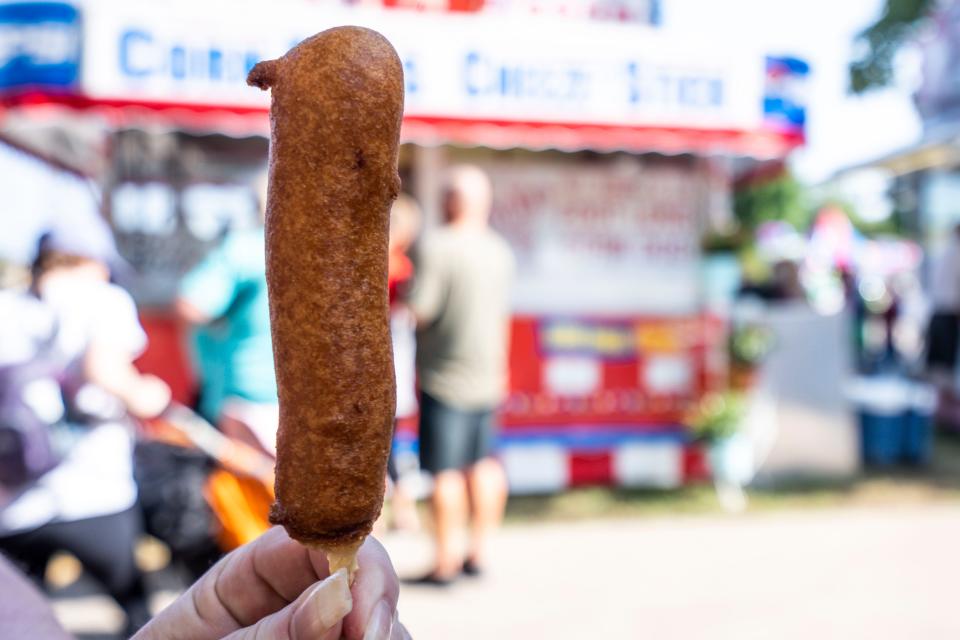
[337, 102]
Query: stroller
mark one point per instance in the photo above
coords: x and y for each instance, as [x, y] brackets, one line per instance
[202, 492]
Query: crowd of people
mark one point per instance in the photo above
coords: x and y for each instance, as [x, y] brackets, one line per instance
[74, 408]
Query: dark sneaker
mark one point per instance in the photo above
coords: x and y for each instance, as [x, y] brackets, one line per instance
[431, 580]
[471, 569]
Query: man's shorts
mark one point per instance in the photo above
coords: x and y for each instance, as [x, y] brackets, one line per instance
[452, 438]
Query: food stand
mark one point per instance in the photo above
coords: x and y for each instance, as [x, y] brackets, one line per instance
[612, 148]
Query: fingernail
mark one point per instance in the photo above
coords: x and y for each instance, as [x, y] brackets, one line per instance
[380, 623]
[395, 628]
[326, 605]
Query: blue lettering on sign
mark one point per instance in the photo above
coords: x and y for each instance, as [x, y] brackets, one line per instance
[39, 44]
[663, 87]
[484, 77]
[143, 56]
[470, 73]
[411, 77]
[633, 83]
[216, 64]
[198, 63]
[132, 43]
[178, 62]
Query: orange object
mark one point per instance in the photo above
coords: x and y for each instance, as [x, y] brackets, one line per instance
[160, 430]
[240, 491]
[241, 505]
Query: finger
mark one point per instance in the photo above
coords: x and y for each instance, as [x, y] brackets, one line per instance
[399, 631]
[316, 615]
[375, 592]
[269, 573]
[250, 583]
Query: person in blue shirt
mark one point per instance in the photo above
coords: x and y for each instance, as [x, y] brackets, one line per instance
[225, 299]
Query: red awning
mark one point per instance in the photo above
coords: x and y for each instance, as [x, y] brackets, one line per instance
[422, 130]
[571, 136]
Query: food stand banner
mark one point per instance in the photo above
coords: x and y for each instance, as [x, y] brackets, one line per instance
[610, 238]
[460, 69]
[464, 66]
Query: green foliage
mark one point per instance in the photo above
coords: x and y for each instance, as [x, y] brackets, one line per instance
[724, 243]
[753, 267]
[750, 344]
[717, 416]
[782, 198]
[881, 41]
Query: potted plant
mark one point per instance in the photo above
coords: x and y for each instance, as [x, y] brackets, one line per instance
[717, 421]
[749, 345]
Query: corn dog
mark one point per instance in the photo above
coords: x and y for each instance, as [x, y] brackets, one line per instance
[336, 105]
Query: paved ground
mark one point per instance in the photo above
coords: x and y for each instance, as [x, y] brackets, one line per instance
[867, 572]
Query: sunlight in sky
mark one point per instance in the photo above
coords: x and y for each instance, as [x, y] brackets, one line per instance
[842, 130]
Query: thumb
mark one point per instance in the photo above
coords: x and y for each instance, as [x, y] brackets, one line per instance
[316, 615]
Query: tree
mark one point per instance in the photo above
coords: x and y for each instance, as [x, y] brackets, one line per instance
[779, 197]
[881, 41]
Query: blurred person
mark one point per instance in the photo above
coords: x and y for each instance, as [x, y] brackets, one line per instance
[909, 327]
[461, 298]
[270, 589]
[86, 504]
[225, 299]
[786, 281]
[31, 400]
[405, 217]
[783, 285]
[943, 330]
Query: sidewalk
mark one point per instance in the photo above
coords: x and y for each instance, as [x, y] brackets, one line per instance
[875, 572]
[878, 573]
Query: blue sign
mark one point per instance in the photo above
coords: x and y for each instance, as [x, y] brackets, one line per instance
[784, 104]
[39, 44]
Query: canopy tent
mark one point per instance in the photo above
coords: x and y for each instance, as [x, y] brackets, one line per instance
[493, 81]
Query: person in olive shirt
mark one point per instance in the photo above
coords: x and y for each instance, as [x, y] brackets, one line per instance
[461, 299]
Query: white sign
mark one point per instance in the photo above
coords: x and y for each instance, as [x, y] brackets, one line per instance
[600, 237]
[495, 68]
